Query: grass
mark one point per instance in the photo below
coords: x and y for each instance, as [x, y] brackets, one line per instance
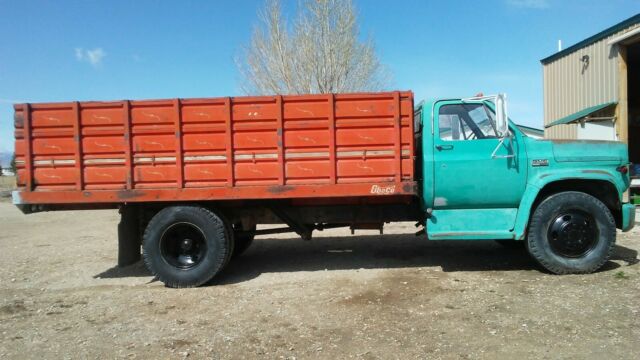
[621, 275]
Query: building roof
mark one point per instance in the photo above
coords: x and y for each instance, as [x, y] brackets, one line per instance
[595, 38]
[579, 115]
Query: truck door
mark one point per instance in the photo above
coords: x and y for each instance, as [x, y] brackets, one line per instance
[466, 175]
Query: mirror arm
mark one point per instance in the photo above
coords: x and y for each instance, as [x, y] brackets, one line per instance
[500, 143]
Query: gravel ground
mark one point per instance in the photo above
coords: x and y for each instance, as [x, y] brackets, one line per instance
[367, 296]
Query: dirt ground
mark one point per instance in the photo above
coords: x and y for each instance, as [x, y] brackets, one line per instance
[367, 296]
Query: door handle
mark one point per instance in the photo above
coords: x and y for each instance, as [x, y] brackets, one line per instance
[444, 147]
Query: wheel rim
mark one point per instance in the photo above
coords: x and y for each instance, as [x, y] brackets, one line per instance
[573, 233]
[183, 245]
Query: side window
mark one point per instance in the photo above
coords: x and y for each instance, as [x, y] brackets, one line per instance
[466, 122]
[450, 127]
[417, 121]
[485, 120]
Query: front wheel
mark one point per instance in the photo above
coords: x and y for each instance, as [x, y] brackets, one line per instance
[186, 246]
[571, 233]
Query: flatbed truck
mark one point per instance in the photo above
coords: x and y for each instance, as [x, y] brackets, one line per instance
[193, 178]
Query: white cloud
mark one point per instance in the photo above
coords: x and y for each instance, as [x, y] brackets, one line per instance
[529, 4]
[93, 57]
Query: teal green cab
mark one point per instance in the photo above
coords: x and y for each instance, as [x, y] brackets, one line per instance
[482, 178]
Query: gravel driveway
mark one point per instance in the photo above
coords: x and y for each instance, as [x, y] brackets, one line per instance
[394, 296]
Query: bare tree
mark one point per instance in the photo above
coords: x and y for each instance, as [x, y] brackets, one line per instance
[320, 52]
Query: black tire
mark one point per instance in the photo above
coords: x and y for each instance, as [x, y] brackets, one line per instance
[185, 246]
[511, 244]
[243, 240]
[228, 228]
[571, 233]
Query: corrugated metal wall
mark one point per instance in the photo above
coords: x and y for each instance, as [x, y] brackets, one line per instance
[570, 87]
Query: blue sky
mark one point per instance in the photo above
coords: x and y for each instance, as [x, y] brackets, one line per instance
[108, 50]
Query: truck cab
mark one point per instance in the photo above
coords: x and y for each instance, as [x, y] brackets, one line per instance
[482, 178]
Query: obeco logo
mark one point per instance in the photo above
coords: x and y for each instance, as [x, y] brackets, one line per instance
[383, 190]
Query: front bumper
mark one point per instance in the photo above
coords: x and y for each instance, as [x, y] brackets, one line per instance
[628, 217]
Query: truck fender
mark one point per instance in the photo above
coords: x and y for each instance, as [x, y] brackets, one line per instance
[539, 182]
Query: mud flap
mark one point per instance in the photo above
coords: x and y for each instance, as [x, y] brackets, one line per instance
[129, 241]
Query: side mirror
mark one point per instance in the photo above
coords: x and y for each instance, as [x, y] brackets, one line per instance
[502, 124]
[502, 118]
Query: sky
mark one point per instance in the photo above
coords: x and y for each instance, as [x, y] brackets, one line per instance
[113, 50]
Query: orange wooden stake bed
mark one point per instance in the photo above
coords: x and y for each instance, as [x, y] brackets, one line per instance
[196, 176]
[269, 147]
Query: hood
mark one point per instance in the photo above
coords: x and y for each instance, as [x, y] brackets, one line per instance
[590, 151]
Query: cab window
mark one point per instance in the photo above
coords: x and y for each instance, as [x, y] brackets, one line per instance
[466, 122]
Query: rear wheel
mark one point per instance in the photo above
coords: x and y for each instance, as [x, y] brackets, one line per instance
[571, 233]
[185, 246]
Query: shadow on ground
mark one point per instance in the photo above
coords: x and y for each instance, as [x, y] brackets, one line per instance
[136, 270]
[370, 252]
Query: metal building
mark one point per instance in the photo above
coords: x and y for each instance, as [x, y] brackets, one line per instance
[591, 89]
